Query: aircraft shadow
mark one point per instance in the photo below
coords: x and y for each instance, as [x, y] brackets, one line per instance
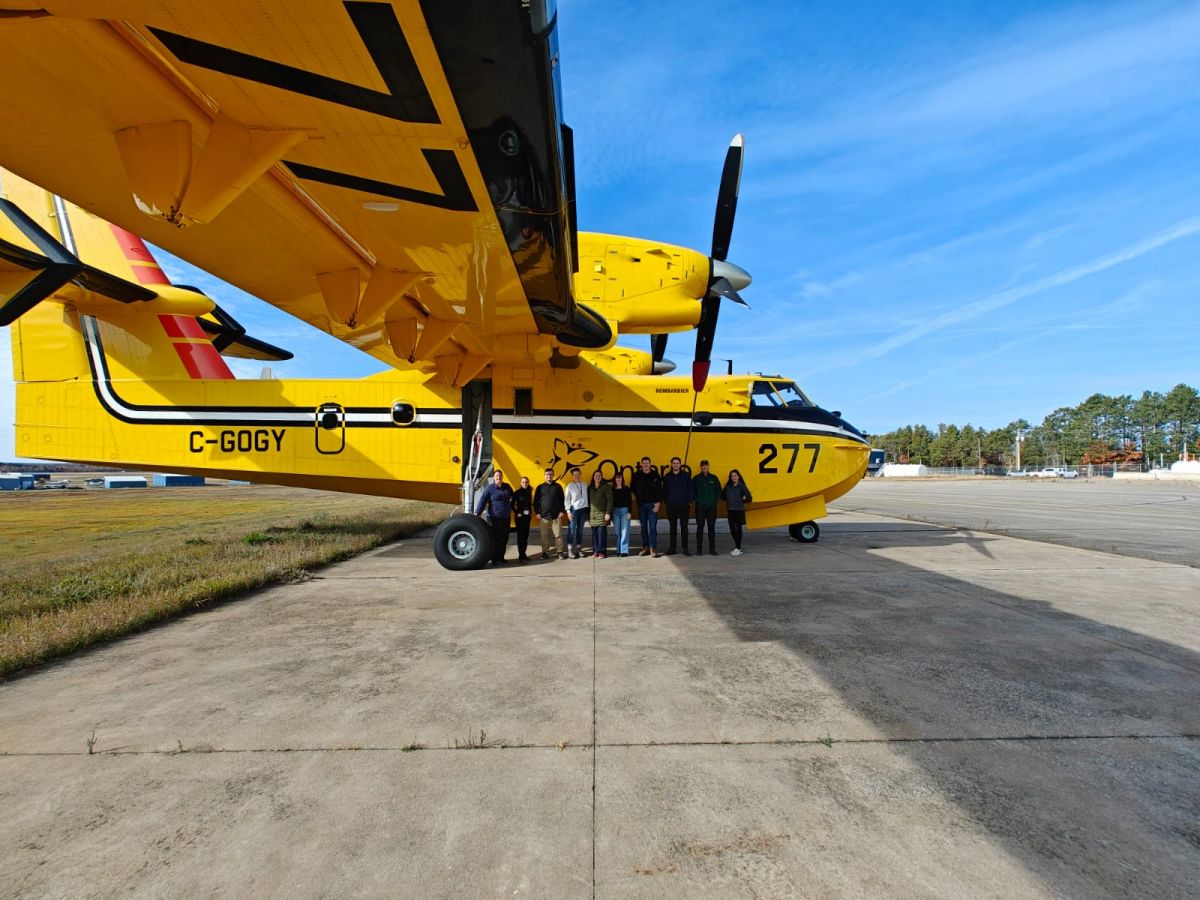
[1071, 741]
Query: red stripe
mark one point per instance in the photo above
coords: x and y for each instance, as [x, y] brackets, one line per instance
[135, 251]
[182, 327]
[203, 361]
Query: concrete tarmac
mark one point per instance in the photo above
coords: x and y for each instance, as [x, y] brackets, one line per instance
[900, 709]
[1150, 519]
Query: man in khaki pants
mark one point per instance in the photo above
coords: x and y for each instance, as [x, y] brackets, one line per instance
[549, 504]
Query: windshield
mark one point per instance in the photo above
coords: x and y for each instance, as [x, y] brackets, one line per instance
[777, 394]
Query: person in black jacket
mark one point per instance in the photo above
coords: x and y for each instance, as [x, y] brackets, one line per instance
[549, 505]
[522, 507]
[497, 497]
[737, 495]
[647, 487]
[677, 492]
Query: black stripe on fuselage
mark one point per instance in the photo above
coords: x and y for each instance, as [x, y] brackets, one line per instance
[244, 416]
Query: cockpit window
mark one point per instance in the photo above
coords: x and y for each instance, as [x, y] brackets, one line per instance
[777, 394]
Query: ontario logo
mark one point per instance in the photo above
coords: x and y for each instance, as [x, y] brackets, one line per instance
[567, 456]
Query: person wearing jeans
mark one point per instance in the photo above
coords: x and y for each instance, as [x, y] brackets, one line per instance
[647, 486]
[577, 513]
[622, 503]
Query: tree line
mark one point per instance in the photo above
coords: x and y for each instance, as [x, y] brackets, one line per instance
[1101, 430]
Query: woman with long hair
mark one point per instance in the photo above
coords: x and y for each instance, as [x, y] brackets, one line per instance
[736, 495]
[600, 500]
[622, 504]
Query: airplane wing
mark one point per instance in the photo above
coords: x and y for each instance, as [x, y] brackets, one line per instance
[394, 173]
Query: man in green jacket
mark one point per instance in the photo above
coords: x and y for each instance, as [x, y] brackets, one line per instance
[707, 488]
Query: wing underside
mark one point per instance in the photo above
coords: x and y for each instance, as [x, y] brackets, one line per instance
[396, 174]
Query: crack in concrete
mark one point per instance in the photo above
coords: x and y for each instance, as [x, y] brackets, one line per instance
[623, 745]
[595, 658]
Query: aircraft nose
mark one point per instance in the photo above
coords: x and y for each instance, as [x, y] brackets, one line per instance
[735, 275]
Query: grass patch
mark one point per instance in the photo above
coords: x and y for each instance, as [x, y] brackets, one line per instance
[89, 567]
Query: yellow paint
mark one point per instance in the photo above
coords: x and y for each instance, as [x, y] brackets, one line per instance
[107, 116]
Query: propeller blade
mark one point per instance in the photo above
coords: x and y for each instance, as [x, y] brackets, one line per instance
[706, 330]
[658, 347]
[727, 197]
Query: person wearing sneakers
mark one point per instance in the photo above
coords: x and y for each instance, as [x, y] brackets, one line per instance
[677, 492]
[622, 504]
[647, 487]
[577, 513]
[549, 504]
[497, 498]
[707, 488]
[737, 495]
[522, 507]
[600, 507]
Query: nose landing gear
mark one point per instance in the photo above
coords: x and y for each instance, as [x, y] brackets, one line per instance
[804, 532]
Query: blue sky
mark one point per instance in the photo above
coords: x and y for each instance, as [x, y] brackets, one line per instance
[952, 212]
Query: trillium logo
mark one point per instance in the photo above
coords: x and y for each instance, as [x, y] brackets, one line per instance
[567, 457]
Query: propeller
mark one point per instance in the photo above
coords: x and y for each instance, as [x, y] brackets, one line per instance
[725, 278]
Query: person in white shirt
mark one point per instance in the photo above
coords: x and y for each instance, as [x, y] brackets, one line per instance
[577, 513]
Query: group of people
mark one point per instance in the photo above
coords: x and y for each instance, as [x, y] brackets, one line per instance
[599, 503]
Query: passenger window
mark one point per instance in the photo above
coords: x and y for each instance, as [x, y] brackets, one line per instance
[403, 413]
[523, 402]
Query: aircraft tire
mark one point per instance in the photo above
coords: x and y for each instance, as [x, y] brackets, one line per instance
[463, 542]
[805, 532]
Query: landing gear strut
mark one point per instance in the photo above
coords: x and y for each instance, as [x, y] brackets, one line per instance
[805, 532]
[464, 541]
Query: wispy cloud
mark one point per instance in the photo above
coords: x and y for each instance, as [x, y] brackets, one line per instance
[1122, 305]
[1001, 299]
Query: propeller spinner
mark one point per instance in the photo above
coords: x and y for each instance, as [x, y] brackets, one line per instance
[725, 279]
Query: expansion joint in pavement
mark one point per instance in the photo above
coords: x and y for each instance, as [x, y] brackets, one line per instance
[626, 745]
[595, 736]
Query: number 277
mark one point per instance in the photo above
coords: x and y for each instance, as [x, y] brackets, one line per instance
[769, 452]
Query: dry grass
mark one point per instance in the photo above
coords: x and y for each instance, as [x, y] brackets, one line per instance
[77, 568]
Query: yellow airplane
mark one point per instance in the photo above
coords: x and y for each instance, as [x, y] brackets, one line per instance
[398, 175]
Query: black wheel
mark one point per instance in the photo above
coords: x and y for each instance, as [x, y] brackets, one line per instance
[463, 542]
[805, 532]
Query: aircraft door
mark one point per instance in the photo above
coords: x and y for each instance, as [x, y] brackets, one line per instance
[330, 420]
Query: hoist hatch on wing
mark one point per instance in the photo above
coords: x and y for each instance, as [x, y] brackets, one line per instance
[330, 421]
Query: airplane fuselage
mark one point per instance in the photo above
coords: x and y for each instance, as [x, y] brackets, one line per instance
[402, 434]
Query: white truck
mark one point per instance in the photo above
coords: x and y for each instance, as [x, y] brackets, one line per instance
[1057, 472]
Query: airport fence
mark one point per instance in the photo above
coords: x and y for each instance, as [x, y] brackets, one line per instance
[1088, 471]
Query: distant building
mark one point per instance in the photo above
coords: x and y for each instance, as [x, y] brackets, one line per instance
[903, 470]
[165, 480]
[124, 481]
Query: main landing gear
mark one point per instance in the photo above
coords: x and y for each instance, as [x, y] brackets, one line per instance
[804, 532]
[463, 542]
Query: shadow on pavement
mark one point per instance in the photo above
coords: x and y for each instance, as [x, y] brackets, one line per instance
[1072, 742]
